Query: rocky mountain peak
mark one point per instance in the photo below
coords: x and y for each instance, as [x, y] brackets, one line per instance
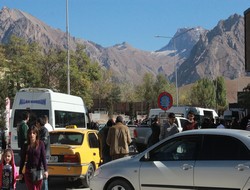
[198, 52]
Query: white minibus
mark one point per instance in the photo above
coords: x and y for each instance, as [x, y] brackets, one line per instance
[61, 109]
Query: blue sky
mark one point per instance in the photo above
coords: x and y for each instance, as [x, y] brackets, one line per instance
[110, 22]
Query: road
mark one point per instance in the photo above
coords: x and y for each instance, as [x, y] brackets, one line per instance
[54, 183]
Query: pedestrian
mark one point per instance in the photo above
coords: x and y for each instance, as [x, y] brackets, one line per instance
[221, 125]
[9, 173]
[47, 124]
[156, 130]
[119, 139]
[170, 127]
[22, 129]
[3, 138]
[104, 147]
[35, 157]
[235, 124]
[190, 124]
[44, 137]
[207, 123]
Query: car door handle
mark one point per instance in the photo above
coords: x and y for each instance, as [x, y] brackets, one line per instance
[187, 166]
[242, 167]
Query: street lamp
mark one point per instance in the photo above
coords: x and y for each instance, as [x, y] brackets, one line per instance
[176, 66]
[67, 33]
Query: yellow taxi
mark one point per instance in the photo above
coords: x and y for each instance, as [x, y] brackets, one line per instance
[74, 154]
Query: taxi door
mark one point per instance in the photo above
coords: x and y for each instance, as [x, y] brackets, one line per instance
[93, 142]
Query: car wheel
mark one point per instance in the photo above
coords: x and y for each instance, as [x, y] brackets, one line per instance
[89, 175]
[119, 185]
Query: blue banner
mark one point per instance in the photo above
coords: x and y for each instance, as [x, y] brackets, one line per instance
[23, 101]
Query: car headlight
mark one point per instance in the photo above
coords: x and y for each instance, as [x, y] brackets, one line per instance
[97, 171]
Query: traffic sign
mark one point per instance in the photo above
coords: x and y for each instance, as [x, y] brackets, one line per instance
[165, 101]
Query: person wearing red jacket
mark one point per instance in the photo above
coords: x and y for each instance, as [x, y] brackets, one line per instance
[9, 173]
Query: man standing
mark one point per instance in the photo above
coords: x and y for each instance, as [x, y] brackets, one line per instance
[170, 127]
[22, 131]
[119, 139]
[47, 124]
[156, 129]
[191, 123]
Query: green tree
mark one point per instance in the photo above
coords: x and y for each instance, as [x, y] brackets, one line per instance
[145, 91]
[22, 60]
[128, 95]
[82, 74]
[114, 96]
[203, 94]
[3, 96]
[102, 87]
[51, 67]
[221, 93]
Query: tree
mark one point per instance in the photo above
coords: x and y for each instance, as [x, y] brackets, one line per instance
[22, 64]
[203, 94]
[51, 65]
[3, 96]
[114, 96]
[221, 93]
[82, 74]
[145, 91]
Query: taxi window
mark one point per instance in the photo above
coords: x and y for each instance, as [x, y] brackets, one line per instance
[66, 138]
[93, 141]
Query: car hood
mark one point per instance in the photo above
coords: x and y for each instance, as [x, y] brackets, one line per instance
[122, 161]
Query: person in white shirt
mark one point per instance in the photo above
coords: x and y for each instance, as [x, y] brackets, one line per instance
[47, 125]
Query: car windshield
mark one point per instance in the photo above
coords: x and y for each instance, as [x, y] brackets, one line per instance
[69, 138]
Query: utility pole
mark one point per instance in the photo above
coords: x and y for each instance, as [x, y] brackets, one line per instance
[67, 33]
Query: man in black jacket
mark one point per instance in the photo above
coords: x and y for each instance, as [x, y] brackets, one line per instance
[156, 130]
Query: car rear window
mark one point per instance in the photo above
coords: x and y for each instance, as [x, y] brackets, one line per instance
[69, 138]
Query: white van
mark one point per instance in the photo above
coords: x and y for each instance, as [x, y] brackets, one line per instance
[182, 111]
[61, 109]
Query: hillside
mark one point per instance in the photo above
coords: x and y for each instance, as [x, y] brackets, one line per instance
[196, 52]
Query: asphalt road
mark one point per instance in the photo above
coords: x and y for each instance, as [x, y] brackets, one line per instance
[54, 183]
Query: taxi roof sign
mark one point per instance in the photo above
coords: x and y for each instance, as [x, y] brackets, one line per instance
[71, 127]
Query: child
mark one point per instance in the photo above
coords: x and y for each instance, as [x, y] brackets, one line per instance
[8, 174]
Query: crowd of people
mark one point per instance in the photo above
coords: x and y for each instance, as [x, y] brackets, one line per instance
[170, 127]
[114, 140]
[34, 144]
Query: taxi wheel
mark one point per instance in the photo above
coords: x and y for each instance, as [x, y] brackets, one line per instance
[120, 185]
[89, 175]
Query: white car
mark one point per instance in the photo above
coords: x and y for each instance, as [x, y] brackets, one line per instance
[198, 159]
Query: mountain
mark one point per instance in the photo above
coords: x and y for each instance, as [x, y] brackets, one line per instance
[219, 52]
[196, 51]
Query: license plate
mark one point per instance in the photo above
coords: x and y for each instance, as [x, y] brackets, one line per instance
[53, 159]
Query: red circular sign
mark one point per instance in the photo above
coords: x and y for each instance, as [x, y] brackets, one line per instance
[165, 101]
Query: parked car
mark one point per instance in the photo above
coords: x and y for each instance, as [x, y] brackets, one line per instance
[196, 159]
[74, 154]
[143, 132]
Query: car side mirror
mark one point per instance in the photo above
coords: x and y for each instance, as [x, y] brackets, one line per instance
[147, 156]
